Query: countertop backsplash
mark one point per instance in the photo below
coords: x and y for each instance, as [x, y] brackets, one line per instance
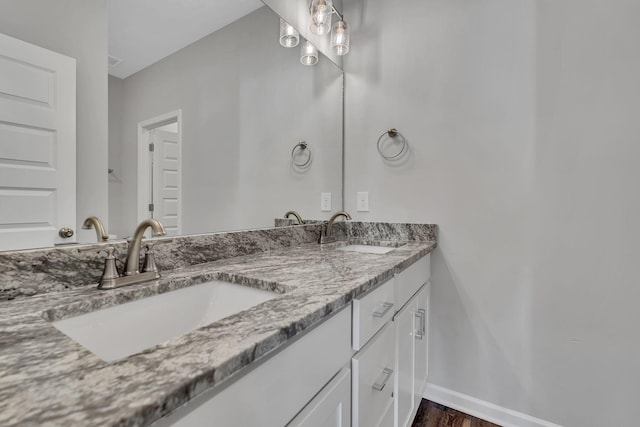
[372, 230]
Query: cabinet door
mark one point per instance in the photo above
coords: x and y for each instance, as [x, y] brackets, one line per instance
[421, 340]
[331, 407]
[405, 345]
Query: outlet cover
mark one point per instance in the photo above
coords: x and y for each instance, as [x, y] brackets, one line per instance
[325, 202]
[362, 201]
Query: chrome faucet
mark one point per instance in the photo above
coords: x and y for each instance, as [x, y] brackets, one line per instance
[133, 254]
[94, 221]
[325, 235]
[111, 279]
[296, 214]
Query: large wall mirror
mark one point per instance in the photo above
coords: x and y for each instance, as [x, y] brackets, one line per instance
[243, 103]
[226, 116]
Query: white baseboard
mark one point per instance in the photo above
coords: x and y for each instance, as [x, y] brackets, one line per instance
[481, 409]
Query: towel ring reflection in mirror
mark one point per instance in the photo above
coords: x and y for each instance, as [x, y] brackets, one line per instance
[299, 150]
[395, 136]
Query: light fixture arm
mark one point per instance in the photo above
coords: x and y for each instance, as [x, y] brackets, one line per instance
[337, 13]
[333, 10]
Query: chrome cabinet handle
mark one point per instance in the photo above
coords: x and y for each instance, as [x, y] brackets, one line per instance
[386, 374]
[385, 309]
[422, 315]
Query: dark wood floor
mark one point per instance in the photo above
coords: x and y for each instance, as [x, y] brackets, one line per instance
[432, 414]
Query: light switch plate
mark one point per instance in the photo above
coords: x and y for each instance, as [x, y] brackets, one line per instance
[362, 201]
[325, 202]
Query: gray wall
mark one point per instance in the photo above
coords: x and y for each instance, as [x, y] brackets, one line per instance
[245, 102]
[522, 122]
[76, 28]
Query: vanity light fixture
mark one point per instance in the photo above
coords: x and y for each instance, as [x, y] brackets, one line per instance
[308, 53]
[289, 36]
[321, 12]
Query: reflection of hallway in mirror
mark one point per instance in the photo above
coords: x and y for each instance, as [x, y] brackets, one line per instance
[164, 157]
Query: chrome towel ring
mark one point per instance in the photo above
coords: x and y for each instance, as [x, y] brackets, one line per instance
[301, 147]
[393, 134]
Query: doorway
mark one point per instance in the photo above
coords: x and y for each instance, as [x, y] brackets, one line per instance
[160, 170]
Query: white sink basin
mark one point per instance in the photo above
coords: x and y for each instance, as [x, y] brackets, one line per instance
[367, 249]
[117, 332]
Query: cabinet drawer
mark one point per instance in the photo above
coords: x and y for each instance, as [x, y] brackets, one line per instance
[276, 389]
[371, 312]
[411, 279]
[373, 379]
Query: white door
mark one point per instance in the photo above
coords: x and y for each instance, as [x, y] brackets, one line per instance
[421, 342]
[404, 401]
[37, 145]
[165, 180]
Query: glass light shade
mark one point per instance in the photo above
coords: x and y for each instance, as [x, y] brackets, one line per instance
[340, 38]
[321, 11]
[289, 36]
[308, 54]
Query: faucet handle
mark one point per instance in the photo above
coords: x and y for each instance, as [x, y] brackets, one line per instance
[149, 264]
[110, 272]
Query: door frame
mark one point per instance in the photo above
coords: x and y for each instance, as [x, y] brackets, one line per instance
[144, 168]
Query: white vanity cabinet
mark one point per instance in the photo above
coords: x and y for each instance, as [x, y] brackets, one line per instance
[366, 366]
[390, 336]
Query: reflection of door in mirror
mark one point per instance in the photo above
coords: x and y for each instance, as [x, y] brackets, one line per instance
[164, 177]
[159, 171]
[37, 146]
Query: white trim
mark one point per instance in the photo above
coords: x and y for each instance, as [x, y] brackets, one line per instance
[482, 409]
[144, 138]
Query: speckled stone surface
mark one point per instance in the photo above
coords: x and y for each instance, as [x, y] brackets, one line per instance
[389, 231]
[286, 222]
[31, 272]
[48, 379]
[373, 230]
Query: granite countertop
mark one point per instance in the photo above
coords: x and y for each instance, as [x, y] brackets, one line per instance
[48, 379]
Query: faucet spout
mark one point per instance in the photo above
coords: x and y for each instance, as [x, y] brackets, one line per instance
[133, 255]
[325, 237]
[94, 221]
[296, 214]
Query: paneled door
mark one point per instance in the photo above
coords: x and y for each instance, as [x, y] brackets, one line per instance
[37, 145]
[166, 174]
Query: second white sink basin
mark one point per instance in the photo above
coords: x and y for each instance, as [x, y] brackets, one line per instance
[117, 332]
[367, 249]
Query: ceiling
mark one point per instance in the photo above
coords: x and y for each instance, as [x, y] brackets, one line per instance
[141, 32]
